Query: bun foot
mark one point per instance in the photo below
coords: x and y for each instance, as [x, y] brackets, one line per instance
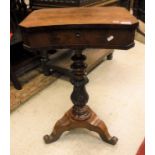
[113, 140]
[49, 139]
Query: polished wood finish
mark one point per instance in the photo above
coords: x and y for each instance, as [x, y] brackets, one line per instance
[80, 116]
[69, 122]
[46, 28]
[79, 38]
[79, 16]
[80, 28]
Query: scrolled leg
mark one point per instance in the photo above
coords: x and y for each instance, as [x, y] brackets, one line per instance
[97, 125]
[61, 126]
[80, 115]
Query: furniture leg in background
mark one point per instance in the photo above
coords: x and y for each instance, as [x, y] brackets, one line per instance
[110, 56]
[44, 60]
[14, 79]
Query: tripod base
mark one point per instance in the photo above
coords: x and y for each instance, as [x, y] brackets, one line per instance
[69, 121]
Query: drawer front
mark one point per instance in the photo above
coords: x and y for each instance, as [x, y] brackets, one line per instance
[107, 38]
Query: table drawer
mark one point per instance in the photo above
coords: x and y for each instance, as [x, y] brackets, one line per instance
[82, 38]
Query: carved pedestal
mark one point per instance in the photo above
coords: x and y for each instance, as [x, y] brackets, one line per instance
[80, 115]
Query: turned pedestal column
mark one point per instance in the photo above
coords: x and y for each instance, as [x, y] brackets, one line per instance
[80, 115]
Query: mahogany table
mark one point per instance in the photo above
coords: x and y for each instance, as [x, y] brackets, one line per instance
[77, 29]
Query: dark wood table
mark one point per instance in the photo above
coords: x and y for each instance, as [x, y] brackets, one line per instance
[77, 29]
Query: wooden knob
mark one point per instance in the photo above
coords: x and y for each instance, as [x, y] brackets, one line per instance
[78, 35]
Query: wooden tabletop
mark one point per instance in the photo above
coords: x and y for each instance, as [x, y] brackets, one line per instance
[78, 16]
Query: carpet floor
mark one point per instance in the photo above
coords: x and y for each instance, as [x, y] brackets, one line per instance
[116, 91]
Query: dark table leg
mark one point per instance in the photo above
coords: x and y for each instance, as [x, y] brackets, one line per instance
[110, 56]
[44, 60]
[80, 115]
[14, 79]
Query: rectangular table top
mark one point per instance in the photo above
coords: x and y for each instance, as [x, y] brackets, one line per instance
[79, 28]
[79, 16]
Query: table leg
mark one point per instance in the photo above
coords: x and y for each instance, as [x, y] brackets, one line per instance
[14, 79]
[44, 60]
[110, 56]
[80, 115]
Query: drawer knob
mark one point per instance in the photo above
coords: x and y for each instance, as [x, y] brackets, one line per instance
[77, 35]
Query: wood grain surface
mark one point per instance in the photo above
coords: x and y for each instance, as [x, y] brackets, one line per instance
[76, 16]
